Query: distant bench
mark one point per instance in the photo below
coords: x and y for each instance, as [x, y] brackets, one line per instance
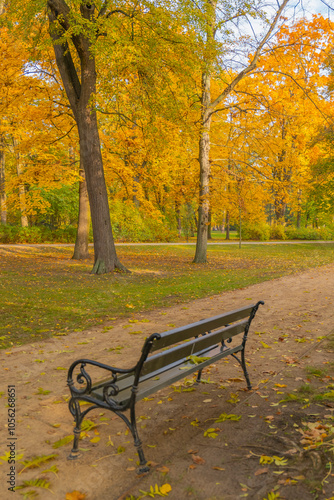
[165, 358]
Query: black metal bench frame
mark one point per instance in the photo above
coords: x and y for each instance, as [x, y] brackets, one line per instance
[204, 339]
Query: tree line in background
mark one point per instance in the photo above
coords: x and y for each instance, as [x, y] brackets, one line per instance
[167, 119]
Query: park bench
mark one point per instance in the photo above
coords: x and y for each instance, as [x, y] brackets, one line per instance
[165, 358]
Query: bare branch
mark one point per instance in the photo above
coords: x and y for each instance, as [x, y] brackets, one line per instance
[250, 68]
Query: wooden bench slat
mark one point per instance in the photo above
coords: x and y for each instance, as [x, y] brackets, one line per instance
[161, 379]
[160, 362]
[194, 329]
[192, 348]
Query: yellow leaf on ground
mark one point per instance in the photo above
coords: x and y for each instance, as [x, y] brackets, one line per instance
[163, 469]
[165, 489]
[75, 495]
[95, 439]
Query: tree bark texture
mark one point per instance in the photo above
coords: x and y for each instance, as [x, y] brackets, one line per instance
[80, 92]
[3, 196]
[22, 192]
[81, 242]
[227, 225]
[205, 171]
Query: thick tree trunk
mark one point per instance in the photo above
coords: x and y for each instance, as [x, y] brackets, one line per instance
[80, 92]
[105, 259]
[81, 242]
[3, 196]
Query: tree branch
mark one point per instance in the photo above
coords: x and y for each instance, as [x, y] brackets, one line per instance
[298, 85]
[253, 62]
[63, 56]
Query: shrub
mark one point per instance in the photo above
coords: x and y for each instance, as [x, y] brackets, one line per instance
[307, 233]
[257, 232]
[132, 224]
[277, 233]
[36, 234]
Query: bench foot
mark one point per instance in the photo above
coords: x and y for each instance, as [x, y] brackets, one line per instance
[73, 455]
[143, 469]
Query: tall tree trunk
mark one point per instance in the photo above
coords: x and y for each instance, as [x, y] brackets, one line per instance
[178, 219]
[81, 242]
[3, 196]
[227, 225]
[204, 147]
[105, 257]
[209, 227]
[80, 92]
[205, 170]
[22, 192]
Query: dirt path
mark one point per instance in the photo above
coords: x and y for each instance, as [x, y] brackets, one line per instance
[286, 336]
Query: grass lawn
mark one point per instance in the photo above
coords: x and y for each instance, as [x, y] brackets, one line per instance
[44, 293]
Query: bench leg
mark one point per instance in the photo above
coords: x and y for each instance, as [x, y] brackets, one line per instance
[198, 378]
[75, 410]
[243, 364]
[143, 467]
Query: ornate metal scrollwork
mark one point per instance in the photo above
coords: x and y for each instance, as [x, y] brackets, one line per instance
[83, 379]
[110, 391]
[72, 407]
[224, 346]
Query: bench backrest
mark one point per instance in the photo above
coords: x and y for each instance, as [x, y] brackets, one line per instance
[193, 339]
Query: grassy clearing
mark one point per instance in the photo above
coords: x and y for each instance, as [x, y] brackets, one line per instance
[44, 293]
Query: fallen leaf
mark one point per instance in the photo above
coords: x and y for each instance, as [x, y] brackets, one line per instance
[75, 495]
[261, 471]
[163, 469]
[165, 489]
[198, 460]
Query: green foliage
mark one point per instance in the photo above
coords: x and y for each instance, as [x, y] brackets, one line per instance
[264, 232]
[35, 234]
[277, 232]
[196, 360]
[323, 233]
[37, 483]
[130, 223]
[256, 232]
[211, 433]
[37, 461]
[225, 416]
[62, 442]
